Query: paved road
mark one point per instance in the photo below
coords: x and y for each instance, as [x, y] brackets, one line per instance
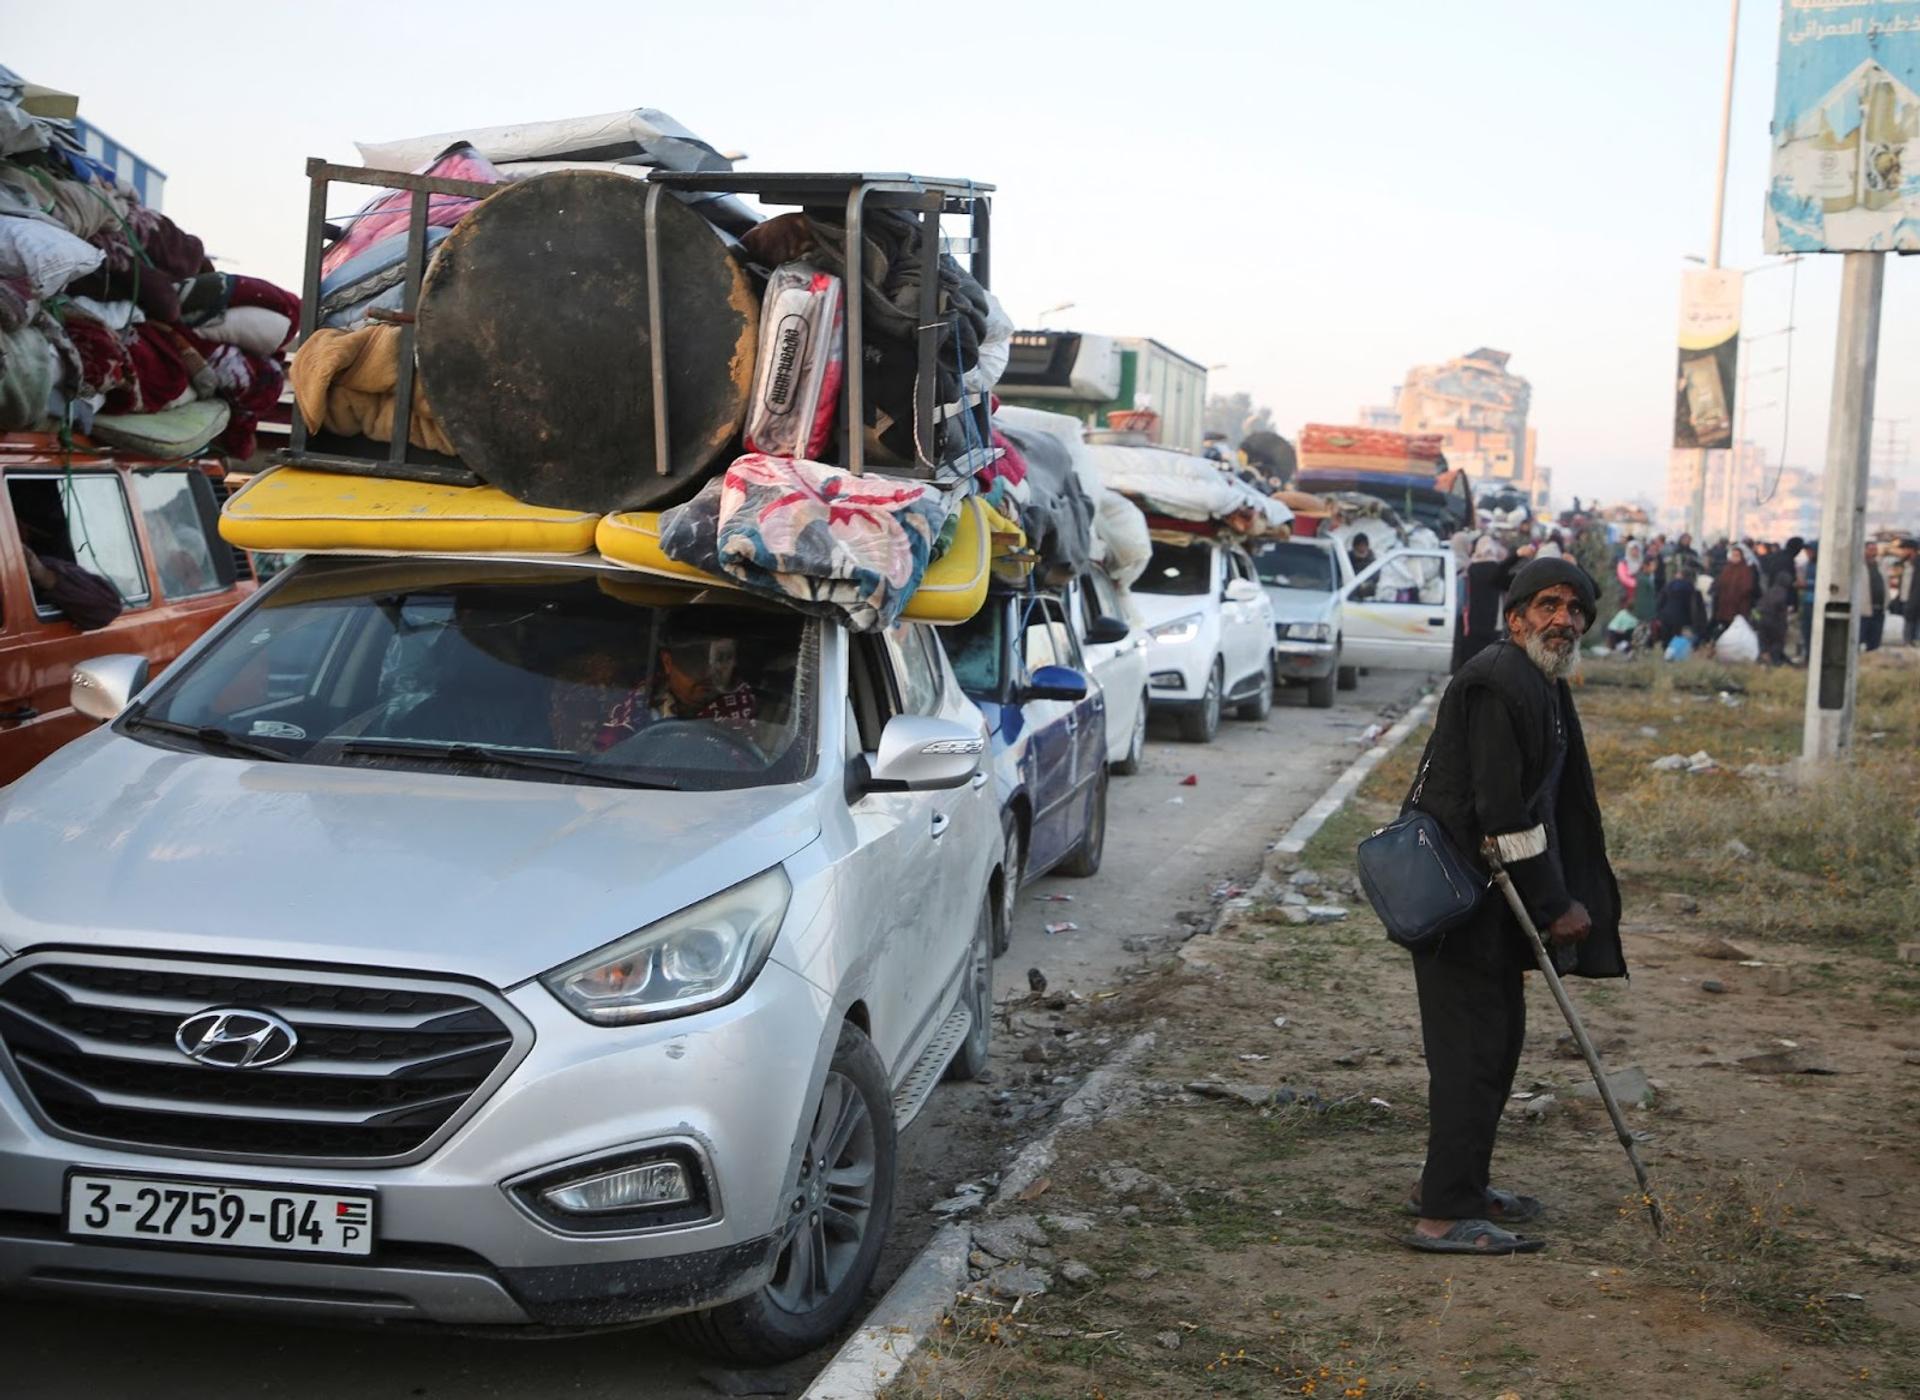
[1168, 847]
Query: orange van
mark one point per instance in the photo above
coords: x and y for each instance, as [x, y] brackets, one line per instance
[148, 527]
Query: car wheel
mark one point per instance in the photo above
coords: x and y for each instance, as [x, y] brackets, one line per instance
[1130, 765]
[1199, 723]
[970, 1061]
[1261, 705]
[1347, 678]
[1320, 692]
[839, 1207]
[1085, 860]
[1012, 867]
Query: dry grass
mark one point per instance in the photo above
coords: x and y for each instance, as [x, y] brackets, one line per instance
[1835, 858]
[1734, 1245]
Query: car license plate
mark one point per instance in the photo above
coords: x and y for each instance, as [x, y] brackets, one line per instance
[212, 1213]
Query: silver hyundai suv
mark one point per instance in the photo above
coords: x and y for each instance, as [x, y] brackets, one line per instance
[490, 942]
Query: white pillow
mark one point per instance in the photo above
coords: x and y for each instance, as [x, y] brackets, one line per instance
[256, 329]
[45, 254]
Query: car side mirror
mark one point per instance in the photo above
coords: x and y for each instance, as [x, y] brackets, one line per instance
[921, 754]
[102, 687]
[1107, 630]
[1056, 683]
[1242, 590]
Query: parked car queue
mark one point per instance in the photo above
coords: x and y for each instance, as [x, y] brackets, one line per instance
[504, 943]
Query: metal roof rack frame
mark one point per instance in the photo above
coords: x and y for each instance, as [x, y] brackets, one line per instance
[928, 197]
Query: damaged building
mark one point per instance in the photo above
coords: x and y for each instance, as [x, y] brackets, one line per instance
[1480, 408]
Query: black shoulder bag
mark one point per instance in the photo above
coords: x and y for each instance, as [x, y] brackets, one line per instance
[1419, 885]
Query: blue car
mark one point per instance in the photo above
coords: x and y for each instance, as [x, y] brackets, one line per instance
[1020, 661]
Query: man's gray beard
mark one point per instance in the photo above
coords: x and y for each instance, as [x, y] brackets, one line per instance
[1556, 666]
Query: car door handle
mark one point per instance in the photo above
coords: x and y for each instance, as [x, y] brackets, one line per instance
[1436, 622]
[978, 781]
[941, 821]
[20, 713]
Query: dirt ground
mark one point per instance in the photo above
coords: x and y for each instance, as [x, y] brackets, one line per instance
[1241, 1237]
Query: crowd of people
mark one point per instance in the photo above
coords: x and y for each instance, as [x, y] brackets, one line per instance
[1662, 595]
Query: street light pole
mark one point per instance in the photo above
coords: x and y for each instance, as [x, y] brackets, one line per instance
[1697, 508]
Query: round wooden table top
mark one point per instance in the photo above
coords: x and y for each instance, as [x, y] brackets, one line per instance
[534, 339]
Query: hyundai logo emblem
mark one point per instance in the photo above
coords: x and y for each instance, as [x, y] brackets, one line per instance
[229, 1038]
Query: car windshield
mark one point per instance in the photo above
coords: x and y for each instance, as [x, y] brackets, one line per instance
[1289, 564]
[974, 647]
[1182, 569]
[526, 672]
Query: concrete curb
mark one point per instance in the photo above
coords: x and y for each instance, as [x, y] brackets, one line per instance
[868, 1361]
[1335, 797]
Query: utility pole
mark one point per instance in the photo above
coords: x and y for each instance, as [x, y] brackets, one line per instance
[1839, 580]
[1697, 508]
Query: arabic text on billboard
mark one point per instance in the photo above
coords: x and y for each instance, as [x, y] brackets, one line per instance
[1846, 128]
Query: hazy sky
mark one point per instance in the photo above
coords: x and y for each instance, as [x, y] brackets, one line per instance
[1316, 194]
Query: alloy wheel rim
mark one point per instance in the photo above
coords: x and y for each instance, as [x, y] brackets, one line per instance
[1010, 882]
[980, 981]
[831, 1202]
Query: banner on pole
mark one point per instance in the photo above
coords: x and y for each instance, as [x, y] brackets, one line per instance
[1709, 355]
[1846, 128]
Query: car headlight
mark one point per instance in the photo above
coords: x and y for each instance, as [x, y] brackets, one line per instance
[1181, 629]
[703, 956]
[1306, 631]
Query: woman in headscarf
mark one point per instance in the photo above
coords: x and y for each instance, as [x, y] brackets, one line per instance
[1735, 591]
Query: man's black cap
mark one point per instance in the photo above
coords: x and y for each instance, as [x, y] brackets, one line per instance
[1538, 575]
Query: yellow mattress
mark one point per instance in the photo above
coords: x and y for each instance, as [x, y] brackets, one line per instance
[954, 587]
[292, 508]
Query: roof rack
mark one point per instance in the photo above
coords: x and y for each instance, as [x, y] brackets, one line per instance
[929, 197]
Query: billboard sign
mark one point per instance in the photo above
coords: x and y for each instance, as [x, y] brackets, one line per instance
[1846, 128]
[1709, 354]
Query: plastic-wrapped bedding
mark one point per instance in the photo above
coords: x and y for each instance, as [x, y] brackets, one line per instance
[796, 382]
[643, 135]
[374, 277]
[386, 216]
[1174, 484]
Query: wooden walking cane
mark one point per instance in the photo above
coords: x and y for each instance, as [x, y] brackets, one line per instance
[1545, 959]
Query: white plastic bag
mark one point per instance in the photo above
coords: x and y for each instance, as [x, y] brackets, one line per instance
[1738, 643]
[1122, 527]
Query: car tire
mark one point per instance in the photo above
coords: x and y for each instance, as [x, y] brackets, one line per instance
[1199, 722]
[1128, 766]
[1320, 692]
[1012, 867]
[1085, 860]
[970, 1060]
[1261, 705]
[845, 1191]
[1346, 678]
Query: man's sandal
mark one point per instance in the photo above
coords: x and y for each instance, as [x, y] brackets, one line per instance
[1473, 1237]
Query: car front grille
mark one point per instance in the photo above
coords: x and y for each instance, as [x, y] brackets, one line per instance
[382, 1068]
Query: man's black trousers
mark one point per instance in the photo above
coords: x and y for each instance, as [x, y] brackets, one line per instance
[1473, 1022]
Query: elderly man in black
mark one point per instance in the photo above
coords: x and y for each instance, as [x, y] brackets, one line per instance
[1506, 769]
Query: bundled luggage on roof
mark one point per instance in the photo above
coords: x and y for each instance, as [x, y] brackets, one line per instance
[116, 330]
[576, 342]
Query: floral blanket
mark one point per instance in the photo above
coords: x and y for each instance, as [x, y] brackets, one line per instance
[820, 537]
